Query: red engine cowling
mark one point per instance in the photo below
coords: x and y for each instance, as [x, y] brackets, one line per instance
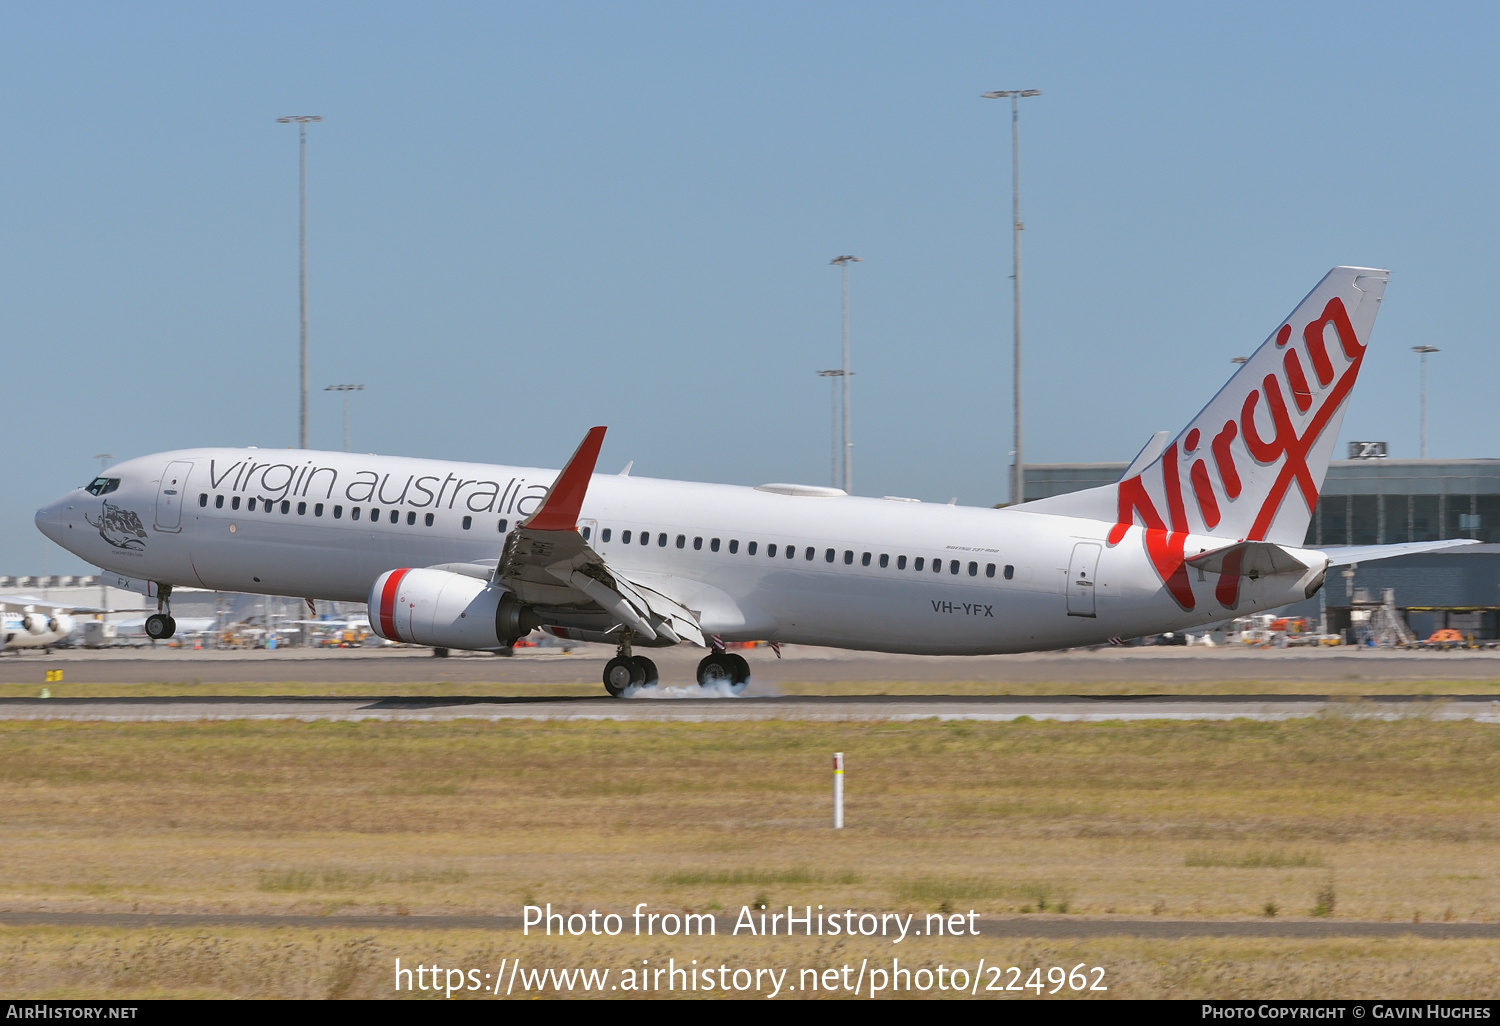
[446, 610]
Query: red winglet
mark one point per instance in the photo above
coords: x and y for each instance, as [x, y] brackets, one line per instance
[559, 509]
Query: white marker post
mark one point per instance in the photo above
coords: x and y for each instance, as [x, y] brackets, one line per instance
[838, 790]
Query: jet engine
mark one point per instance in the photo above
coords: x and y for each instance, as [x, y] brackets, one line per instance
[36, 623]
[447, 610]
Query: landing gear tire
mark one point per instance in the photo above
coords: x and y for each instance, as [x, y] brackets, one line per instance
[622, 672]
[160, 626]
[441, 653]
[715, 668]
[739, 668]
[649, 676]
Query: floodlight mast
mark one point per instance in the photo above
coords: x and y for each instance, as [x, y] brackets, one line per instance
[843, 262]
[301, 121]
[346, 389]
[1018, 475]
[1423, 351]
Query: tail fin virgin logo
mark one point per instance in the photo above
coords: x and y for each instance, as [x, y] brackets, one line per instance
[1285, 449]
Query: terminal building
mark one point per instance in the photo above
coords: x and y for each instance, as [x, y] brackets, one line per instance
[1379, 501]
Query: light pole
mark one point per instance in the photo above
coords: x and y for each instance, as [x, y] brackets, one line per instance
[301, 120]
[843, 262]
[1018, 476]
[1423, 351]
[833, 467]
[346, 389]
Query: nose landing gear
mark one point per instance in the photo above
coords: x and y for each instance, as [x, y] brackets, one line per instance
[160, 625]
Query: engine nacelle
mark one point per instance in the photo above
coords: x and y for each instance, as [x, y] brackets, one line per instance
[36, 623]
[446, 610]
[63, 624]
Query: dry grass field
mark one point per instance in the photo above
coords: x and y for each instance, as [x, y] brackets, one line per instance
[341, 963]
[1332, 817]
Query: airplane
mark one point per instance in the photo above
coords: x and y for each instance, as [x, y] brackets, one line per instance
[27, 622]
[1202, 528]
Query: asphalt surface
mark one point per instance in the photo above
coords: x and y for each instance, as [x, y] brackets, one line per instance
[1483, 708]
[1015, 926]
[800, 664]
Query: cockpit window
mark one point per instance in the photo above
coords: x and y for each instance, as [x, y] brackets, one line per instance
[102, 485]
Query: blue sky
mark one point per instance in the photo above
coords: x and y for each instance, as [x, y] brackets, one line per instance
[528, 219]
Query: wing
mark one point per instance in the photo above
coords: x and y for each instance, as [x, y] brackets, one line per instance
[548, 564]
[30, 604]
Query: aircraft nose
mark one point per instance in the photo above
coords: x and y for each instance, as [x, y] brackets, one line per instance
[52, 519]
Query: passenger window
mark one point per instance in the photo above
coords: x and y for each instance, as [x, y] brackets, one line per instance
[625, 537]
[989, 569]
[917, 563]
[374, 513]
[828, 556]
[428, 519]
[811, 550]
[771, 551]
[203, 498]
[251, 504]
[885, 560]
[734, 546]
[504, 525]
[268, 505]
[286, 505]
[604, 535]
[411, 518]
[338, 512]
[750, 549]
[791, 552]
[234, 503]
[953, 567]
[937, 566]
[1010, 571]
[973, 569]
[848, 557]
[697, 544]
[586, 534]
[318, 510]
[864, 560]
[682, 541]
[661, 539]
[302, 509]
[218, 502]
[354, 513]
[713, 545]
[468, 523]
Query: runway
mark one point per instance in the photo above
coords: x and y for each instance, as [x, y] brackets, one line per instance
[1481, 708]
[1072, 927]
[801, 664]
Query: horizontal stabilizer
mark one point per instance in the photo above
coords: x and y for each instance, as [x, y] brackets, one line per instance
[1249, 559]
[1348, 555]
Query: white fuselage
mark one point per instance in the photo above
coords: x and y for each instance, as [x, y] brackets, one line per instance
[862, 573]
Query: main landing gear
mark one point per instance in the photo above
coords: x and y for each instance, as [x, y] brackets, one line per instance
[721, 667]
[626, 670]
[160, 625]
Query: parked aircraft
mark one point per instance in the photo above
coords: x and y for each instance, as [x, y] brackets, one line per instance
[1201, 528]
